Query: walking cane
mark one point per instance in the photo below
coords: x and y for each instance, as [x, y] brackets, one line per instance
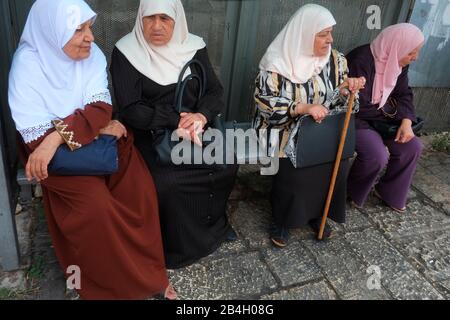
[337, 164]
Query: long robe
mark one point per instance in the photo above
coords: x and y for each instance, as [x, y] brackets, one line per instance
[108, 226]
[298, 195]
[192, 200]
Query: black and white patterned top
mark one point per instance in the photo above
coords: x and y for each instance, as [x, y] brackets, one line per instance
[276, 98]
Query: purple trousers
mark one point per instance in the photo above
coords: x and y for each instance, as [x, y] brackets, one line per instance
[400, 161]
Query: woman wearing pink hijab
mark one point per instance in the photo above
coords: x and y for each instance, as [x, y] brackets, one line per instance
[387, 97]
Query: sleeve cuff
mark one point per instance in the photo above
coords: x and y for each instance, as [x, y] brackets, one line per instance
[68, 136]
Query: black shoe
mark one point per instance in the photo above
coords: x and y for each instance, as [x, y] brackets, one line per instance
[231, 235]
[279, 236]
[315, 225]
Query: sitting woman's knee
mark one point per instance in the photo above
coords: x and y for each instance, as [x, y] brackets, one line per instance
[414, 148]
[380, 159]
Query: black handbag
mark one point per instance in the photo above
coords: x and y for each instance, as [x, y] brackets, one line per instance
[389, 130]
[318, 143]
[162, 139]
[98, 158]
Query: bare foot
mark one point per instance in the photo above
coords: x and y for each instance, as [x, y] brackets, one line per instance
[171, 293]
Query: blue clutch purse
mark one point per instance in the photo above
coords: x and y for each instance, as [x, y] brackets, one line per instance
[98, 158]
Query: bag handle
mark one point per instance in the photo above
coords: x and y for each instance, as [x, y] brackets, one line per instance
[181, 85]
[180, 94]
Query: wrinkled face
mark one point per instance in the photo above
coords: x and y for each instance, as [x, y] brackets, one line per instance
[79, 46]
[158, 29]
[411, 57]
[323, 42]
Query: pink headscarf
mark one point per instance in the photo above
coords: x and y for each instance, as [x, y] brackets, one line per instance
[391, 45]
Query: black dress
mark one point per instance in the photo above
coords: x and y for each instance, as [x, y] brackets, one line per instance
[192, 201]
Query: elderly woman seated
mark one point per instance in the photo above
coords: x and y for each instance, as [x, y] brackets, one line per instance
[107, 226]
[146, 65]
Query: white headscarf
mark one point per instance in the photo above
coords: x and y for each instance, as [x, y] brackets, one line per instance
[161, 64]
[44, 83]
[291, 54]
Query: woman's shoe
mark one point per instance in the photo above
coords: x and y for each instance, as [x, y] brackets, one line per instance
[315, 225]
[376, 194]
[279, 236]
[231, 235]
[170, 293]
[353, 204]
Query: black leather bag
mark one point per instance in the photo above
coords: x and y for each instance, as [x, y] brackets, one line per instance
[318, 143]
[163, 143]
[388, 130]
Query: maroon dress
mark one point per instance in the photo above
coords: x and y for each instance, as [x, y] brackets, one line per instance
[107, 225]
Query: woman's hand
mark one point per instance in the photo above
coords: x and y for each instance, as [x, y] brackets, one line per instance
[38, 161]
[115, 128]
[405, 133]
[188, 120]
[352, 84]
[191, 126]
[317, 111]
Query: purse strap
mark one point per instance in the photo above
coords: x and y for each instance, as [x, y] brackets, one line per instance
[181, 85]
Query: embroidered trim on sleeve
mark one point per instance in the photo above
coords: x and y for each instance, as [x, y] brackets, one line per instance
[100, 97]
[34, 133]
[68, 136]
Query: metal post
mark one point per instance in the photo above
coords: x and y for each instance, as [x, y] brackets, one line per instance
[9, 246]
[243, 42]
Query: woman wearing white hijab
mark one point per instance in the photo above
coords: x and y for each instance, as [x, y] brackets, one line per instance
[298, 75]
[58, 94]
[146, 65]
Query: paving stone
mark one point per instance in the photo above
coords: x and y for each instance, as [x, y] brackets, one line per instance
[346, 273]
[441, 172]
[292, 265]
[240, 277]
[52, 286]
[227, 249]
[305, 233]
[429, 253]
[434, 159]
[445, 286]
[432, 186]
[420, 218]
[355, 220]
[252, 222]
[313, 291]
[14, 281]
[24, 225]
[412, 194]
[397, 275]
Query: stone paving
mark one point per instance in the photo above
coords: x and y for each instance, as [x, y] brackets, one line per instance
[409, 253]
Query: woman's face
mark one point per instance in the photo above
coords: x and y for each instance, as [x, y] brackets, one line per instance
[411, 57]
[158, 29]
[79, 46]
[323, 42]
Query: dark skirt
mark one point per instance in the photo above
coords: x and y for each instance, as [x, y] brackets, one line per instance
[299, 195]
[192, 206]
